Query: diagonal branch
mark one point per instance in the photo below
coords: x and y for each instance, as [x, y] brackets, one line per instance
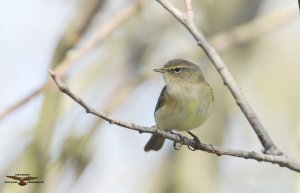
[221, 41]
[281, 160]
[78, 54]
[76, 29]
[187, 19]
[254, 28]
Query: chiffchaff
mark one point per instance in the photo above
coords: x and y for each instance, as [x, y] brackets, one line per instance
[184, 103]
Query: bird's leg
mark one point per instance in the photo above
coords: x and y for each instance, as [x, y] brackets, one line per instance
[183, 139]
[196, 140]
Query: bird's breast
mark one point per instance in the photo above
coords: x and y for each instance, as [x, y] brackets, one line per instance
[184, 110]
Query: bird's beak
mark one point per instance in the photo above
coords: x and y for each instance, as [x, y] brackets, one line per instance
[160, 70]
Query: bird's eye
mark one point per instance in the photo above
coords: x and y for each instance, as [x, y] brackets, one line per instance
[177, 70]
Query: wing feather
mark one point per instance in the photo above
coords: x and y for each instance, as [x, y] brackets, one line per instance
[161, 99]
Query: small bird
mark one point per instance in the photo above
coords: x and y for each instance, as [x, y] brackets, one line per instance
[22, 180]
[185, 102]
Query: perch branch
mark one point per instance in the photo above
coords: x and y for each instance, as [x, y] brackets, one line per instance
[187, 19]
[281, 160]
[221, 41]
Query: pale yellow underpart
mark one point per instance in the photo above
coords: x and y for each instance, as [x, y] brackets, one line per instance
[185, 108]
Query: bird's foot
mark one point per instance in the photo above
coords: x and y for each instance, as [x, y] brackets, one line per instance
[183, 139]
[196, 140]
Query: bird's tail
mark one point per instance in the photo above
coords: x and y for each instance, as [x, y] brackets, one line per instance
[155, 143]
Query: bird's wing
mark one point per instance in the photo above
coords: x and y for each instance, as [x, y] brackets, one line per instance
[29, 178]
[14, 177]
[209, 90]
[161, 99]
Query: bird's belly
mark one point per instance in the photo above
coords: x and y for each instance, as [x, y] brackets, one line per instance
[183, 118]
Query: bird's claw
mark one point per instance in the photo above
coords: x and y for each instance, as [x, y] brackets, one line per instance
[177, 145]
[197, 142]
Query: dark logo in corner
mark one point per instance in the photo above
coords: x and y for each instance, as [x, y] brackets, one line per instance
[22, 179]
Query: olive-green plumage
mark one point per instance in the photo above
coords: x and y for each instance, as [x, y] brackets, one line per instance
[185, 101]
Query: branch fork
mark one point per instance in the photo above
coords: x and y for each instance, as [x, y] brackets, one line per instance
[187, 19]
[270, 153]
[283, 161]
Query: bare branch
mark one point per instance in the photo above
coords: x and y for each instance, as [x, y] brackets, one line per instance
[220, 41]
[76, 55]
[254, 28]
[77, 27]
[281, 160]
[187, 19]
[96, 38]
[21, 102]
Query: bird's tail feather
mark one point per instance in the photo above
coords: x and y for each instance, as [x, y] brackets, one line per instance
[155, 143]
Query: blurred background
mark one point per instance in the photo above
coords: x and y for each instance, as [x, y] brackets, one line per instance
[46, 134]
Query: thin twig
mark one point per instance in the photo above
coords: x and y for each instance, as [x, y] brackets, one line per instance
[221, 41]
[77, 27]
[281, 160]
[187, 19]
[97, 37]
[254, 28]
[21, 102]
[74, 56]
